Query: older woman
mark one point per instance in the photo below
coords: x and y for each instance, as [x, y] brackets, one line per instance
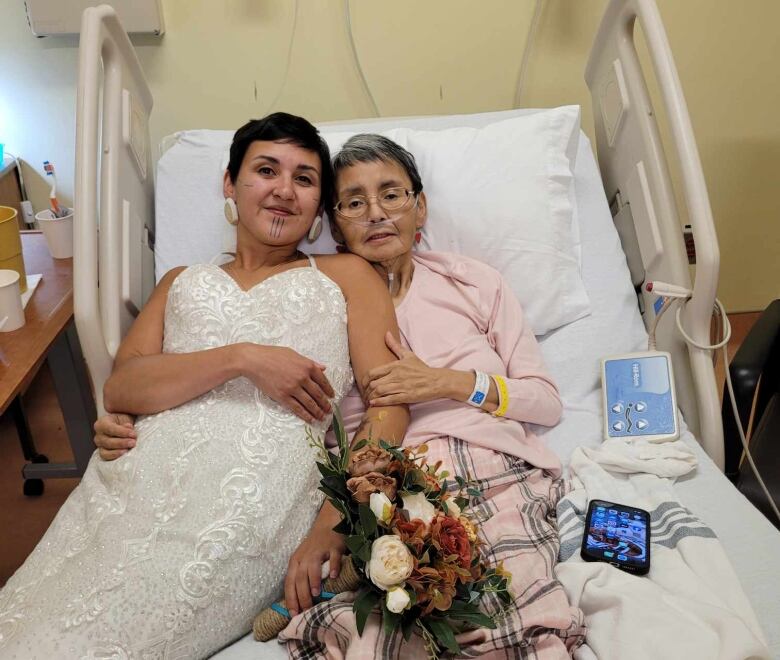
[170, 550]
[472, 373]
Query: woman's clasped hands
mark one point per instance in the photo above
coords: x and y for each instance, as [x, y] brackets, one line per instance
[406, 380]
[292, 380]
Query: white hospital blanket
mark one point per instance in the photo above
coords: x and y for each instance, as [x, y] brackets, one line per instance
[691, 604]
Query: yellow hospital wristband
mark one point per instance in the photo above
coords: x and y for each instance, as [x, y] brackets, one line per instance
[503, 395]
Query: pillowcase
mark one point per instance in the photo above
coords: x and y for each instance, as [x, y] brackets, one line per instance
[502, 192]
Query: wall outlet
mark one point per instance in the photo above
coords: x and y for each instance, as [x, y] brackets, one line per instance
[27, 213]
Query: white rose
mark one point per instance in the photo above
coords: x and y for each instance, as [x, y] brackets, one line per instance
[452, 509]
[391, 562]
[417, 506]
[397, 600]
[382, 507]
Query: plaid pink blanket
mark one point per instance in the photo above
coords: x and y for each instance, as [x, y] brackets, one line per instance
[517, 521]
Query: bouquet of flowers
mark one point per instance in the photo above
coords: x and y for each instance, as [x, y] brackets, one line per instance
[412, 541]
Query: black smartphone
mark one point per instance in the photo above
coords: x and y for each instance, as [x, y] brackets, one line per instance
[618, 535]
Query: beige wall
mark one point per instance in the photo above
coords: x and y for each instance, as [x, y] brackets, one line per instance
[223, 62]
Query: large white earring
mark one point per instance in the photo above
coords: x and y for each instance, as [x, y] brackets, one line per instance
[316, 229]
[231, 211]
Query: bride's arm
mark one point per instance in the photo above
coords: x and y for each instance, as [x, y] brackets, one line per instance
[145, 380]
[370, 317]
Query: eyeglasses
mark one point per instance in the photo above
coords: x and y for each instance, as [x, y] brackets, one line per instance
[391, 199]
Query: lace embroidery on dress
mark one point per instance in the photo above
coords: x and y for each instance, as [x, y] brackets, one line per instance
[170, 550]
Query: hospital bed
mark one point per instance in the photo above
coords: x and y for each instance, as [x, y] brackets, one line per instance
[629, 232]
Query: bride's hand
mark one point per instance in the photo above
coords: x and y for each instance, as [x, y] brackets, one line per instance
[304, 571]
[114, 435]
[292, 380]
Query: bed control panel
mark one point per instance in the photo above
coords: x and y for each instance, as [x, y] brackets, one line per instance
[639, 396]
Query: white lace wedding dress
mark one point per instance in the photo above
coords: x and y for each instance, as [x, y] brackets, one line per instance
[171, 550]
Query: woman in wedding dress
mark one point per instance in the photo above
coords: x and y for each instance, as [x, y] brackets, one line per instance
[169, 551]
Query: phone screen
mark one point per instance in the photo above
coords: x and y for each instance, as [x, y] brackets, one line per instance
[617, 534]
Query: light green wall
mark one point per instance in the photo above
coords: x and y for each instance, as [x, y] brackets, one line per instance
[429, 57]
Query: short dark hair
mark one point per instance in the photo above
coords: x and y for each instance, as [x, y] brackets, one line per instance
[283, 127]
[371, 147]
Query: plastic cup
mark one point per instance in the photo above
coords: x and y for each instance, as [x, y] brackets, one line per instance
[11, 310]
[11, 257]
[58, 233]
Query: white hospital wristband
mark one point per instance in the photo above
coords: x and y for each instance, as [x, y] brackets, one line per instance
[481, 389]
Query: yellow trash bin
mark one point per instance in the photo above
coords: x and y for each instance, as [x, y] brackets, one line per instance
[11, 245]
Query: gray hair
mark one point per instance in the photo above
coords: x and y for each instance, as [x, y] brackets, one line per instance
[369, 148]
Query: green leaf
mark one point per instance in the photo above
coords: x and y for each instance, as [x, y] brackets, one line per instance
[474, 492]
[359, 547]
[416, 478]
[390, 620]
[392, 450]
[477, 619]
[342, 508]
[326, 470]
[460, 480]
[364, 603]
[367, 520]
[337, 483]
[462, 502]
[344, 527]
[407, 626]
[338, 430]
[341, 439]
[443, 633]
[360, 444]
[332, 494]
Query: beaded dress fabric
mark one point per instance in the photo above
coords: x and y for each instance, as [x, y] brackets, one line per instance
[172, 549]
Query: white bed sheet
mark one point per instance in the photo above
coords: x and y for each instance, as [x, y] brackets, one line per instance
[572, 354]
[615, 326]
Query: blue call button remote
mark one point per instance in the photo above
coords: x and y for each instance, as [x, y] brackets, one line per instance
[639, 396]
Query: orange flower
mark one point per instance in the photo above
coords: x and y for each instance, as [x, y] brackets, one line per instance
[411, 532]
[433, 586]
[451, 538]
[370, 458]
[362, 487]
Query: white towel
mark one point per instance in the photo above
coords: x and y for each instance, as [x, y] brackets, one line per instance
[691, 604]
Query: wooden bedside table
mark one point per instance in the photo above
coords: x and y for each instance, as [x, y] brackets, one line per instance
[48, 334]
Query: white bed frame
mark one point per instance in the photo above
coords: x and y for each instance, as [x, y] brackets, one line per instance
[112, 140]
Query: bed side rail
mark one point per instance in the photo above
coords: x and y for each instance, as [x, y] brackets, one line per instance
[637, 183]
[114, 194]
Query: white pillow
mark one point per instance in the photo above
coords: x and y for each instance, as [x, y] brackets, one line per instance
[502, 193]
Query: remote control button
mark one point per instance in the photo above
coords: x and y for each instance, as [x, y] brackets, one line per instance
[642, 424]
[618, 426]
[617, 408]
[640, 406]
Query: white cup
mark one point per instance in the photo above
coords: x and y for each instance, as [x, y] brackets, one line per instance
[11, 310]
[58, 233]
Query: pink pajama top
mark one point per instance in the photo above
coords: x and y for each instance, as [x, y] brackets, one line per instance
[460, 314]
